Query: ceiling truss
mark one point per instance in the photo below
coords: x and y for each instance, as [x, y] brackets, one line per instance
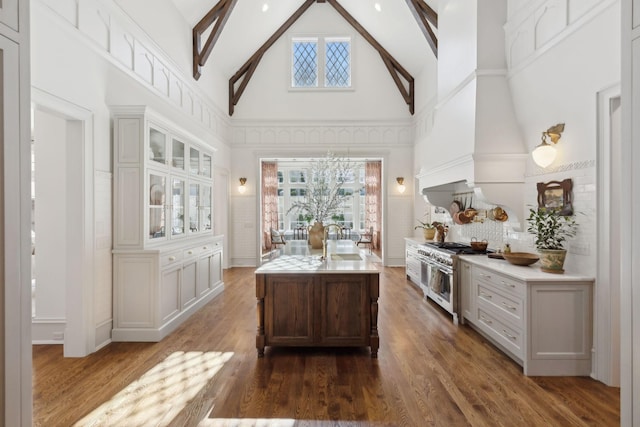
[426, 18]
[218, 15]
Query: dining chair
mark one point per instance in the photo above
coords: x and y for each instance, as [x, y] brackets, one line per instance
[366, 238]
[277, 238]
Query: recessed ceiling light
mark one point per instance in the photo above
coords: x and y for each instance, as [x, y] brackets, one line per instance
[377, 6]
[265, 6]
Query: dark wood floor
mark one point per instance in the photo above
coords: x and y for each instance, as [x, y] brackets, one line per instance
[428, 372]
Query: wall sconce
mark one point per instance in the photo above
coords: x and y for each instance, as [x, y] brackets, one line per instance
[242, 188]
[401, 186]
[545, 153]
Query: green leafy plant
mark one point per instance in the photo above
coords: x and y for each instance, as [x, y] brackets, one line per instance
[424, 225]
[550, 228]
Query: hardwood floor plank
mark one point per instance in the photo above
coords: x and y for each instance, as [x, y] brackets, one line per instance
[429, 372]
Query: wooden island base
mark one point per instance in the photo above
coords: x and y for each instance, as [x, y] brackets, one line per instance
[317, 310]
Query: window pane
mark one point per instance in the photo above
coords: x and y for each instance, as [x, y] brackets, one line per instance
[305, 64]
[338, 64]
[297, 176]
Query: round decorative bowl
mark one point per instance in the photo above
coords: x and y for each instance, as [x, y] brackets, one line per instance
[520, 258]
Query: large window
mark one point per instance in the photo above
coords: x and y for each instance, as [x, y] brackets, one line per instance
[309, 55]
[292, 187]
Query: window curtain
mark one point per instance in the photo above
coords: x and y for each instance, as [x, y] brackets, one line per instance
[373, 199]
[269, 201]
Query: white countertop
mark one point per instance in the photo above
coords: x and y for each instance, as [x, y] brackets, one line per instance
[531, 273]
[297, 257]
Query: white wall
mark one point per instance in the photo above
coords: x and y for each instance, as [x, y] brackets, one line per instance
[570, 79]
[50, 217]
[374, 95]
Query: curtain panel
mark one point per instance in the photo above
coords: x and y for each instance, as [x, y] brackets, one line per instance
[269, 201]
[373, 199]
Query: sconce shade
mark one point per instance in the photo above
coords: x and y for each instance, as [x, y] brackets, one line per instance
[401, 186]
[241, 187]
[544, 154]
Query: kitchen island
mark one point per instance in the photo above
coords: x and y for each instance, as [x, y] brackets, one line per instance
[305, 301]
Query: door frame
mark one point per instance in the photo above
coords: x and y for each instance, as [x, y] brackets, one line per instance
[79, 334]
[606, 366]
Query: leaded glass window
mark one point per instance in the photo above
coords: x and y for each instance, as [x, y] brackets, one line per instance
[321, 62]
[338, 63]
[305, 63]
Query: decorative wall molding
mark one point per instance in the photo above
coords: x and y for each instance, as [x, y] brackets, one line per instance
[308, 133]
[537, 27]
[584, 164]
[105, 28]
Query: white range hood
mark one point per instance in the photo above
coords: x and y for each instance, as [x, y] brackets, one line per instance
[475, 143]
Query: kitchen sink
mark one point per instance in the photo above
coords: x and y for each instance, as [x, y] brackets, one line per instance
[346, 257]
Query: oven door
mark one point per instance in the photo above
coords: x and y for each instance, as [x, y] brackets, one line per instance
[425, 274]
[441, 287]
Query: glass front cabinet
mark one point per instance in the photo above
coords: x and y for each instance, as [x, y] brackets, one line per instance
[163, 237]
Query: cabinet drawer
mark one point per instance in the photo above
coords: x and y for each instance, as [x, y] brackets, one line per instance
[507, 336]
[192, 252]
[170, 257]
[507, 305]
[504, 283]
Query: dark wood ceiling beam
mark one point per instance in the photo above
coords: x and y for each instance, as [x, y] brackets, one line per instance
[218, 14]
[392, 65]
[426, 17]
[246, 71]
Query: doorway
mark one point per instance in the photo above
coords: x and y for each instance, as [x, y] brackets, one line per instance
[63, 248]
[285, 183]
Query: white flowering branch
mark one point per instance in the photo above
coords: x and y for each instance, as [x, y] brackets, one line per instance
[323, 197]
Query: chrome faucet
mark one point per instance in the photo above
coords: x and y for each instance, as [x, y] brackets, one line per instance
[326, 236]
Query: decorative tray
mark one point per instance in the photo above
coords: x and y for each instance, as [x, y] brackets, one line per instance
[495, 255]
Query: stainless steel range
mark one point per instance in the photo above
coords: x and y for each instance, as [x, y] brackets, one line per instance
[439, 277]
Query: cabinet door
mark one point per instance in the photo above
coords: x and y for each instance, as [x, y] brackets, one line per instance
[189, 283]
[467, 295]
[177, 154]
[157, 146]
[157, 206]
[339, 326]
[177, 207]
[205, 207]
[194, 208]
[216, 268]
[291, 323]
[206, 165]
[204, 275]
[169, 294]
[194, 161]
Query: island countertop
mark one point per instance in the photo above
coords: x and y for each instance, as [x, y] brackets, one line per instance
[297, 257]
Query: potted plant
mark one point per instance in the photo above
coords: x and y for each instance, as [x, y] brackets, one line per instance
[551, 231]
[428, 229]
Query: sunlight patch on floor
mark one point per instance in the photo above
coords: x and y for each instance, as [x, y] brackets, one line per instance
[160, 394]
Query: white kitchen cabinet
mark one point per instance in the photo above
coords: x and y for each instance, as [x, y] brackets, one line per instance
[413, 265]
[542, 321]
[467, 303]
[163, 241]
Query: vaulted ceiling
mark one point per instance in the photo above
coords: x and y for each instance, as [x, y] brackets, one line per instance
[248, 27]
